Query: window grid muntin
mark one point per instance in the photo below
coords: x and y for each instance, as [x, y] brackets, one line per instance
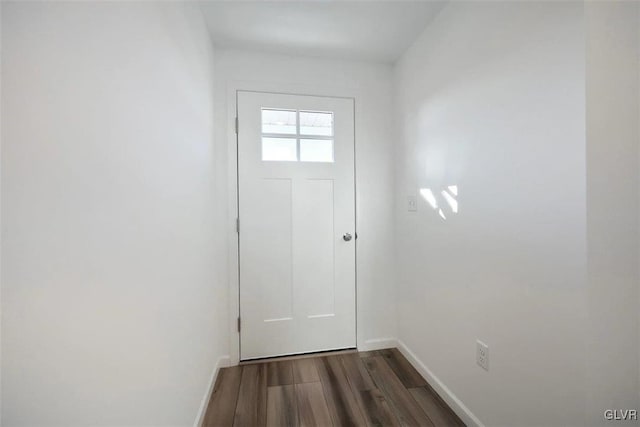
[298, 136]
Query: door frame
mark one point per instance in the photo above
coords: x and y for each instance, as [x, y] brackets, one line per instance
[233, 87]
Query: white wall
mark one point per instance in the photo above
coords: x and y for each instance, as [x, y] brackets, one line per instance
[491, 98]
[1, 80]
[612, 205]
[113, 247]
[370, 84]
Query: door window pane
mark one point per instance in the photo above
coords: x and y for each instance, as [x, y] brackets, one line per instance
[316, 123]
[316, 150]
[279, 149]
[278, 121]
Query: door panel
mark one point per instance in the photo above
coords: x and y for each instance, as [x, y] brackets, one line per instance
[315, 256]
[296, 201]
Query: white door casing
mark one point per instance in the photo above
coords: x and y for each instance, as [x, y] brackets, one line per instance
[297, 272]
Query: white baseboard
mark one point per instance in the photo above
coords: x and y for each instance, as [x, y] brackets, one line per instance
[378, 344]
[447, 395]
[222, 362]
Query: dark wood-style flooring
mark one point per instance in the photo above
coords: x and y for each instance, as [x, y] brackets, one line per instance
[376, 388]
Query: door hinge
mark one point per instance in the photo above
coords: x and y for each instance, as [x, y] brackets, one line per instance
[238, 225]
[238, 324]
[237, 126]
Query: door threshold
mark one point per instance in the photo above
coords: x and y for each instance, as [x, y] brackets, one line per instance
[299, 356]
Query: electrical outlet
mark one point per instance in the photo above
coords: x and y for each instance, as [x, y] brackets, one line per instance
[482, 355]
[412, 203]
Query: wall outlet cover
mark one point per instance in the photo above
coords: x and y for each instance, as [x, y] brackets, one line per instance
[412, 203]
[482, 355]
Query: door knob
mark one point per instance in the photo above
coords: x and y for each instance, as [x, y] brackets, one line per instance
[346, 237]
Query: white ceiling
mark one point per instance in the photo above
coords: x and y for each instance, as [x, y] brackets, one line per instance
[364, 30]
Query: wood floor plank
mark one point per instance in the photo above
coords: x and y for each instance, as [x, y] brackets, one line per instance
[342, 403]
[251, 409]
[279, 373]
[376, 409]
[408, 412]
[282, 409]
[312, 407]
[357, 374]
[402, 368]
[222, 404]
[304, 371]
[368, 388]
[372, 403]
[371, 353]
[438, 411]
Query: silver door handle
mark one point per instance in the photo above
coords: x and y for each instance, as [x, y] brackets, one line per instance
[346, 237]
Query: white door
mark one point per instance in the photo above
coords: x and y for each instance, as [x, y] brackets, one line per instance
[297, 224]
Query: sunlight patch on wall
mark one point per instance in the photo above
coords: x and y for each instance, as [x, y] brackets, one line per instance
[429, 197]
[448, 194]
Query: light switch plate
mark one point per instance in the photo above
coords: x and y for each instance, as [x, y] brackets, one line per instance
[412, 203]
